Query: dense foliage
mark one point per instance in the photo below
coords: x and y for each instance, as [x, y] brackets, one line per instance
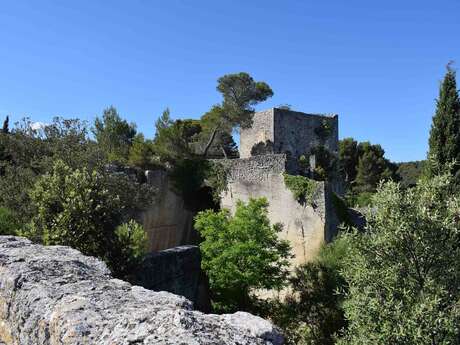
[302, 188]
[410, 172]
[82, 209]
[444, 142]
[363, 166]
[241, 254]
[114, 135]
[404, 273]
[8, 223]
[312, 311]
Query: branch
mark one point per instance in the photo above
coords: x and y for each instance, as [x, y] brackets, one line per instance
[210, 141]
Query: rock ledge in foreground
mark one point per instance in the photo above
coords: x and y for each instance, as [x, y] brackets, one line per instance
[56, 295]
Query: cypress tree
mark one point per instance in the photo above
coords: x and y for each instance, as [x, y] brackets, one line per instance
[5, 128]
[444, 142]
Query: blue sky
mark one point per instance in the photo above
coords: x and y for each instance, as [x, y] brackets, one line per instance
[377, 64]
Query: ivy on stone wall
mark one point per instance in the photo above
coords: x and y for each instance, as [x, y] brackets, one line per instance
[302, 187]
[324, 131]
[217, 179]
[200, 182]
[262, 148]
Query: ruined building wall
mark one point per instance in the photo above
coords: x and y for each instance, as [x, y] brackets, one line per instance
[305, 226]
[290, 131]
[296, 132]
[262, 130]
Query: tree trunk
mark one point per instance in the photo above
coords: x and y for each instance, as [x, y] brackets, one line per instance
[223, 151]
[210, 141]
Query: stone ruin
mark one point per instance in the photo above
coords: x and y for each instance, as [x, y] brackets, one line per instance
[269, 149]
[290, 132]
[272, 147]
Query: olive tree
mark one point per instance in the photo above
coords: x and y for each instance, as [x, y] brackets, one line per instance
[404, 273]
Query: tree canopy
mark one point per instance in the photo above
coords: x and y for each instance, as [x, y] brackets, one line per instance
[241, 253]
[240, 93]
[444, 141]
[114, 135]
[403, 273]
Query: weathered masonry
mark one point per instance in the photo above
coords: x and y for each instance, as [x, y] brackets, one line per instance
[270, 149]
[290, 132]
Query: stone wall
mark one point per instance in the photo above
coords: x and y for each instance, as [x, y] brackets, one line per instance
[296, 132]
[306, 227]
[176, 270]
[290, 131]
[261, 130]
[57, 296]
[167, 221]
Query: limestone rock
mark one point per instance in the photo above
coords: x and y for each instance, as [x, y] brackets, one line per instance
[176, 270]
[55, 295]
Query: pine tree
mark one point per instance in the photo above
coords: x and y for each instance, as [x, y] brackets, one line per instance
[444, 142]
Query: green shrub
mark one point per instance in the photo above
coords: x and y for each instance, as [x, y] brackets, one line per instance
[341, 209]
[403, 273]
[82, 209]
[216, 178]
[132, 241]
[241, 253]
[312, 311]
[8, 223]
[301, 187]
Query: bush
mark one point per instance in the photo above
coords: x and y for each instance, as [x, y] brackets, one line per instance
[404, 273]
[8, 223]
[312, 312]
[241, 253]
[81, 209]
[302, 187]
[132, 241]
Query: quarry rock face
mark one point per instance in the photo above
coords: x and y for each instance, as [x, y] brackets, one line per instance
[176, 270]
[56, 295]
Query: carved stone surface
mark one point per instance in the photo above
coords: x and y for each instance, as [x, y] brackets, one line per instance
[167, 221]
[55, 295]
[176, 270]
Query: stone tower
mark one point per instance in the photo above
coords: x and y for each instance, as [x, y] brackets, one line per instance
[290, 132]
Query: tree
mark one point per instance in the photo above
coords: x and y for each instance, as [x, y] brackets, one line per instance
[240, 94]
[348, 157]
[26, 153]
[241, 253]
[223, 147]
[404, 273]
[174, 139]
[373, 167]
[114, 135]
[141, 153]
[82, 209]
[8, 222]
[410, 172]
[5, 128]
[444, 142]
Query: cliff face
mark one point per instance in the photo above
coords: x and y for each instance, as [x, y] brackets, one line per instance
[56, 295]
[306, 227]
[176, 270]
